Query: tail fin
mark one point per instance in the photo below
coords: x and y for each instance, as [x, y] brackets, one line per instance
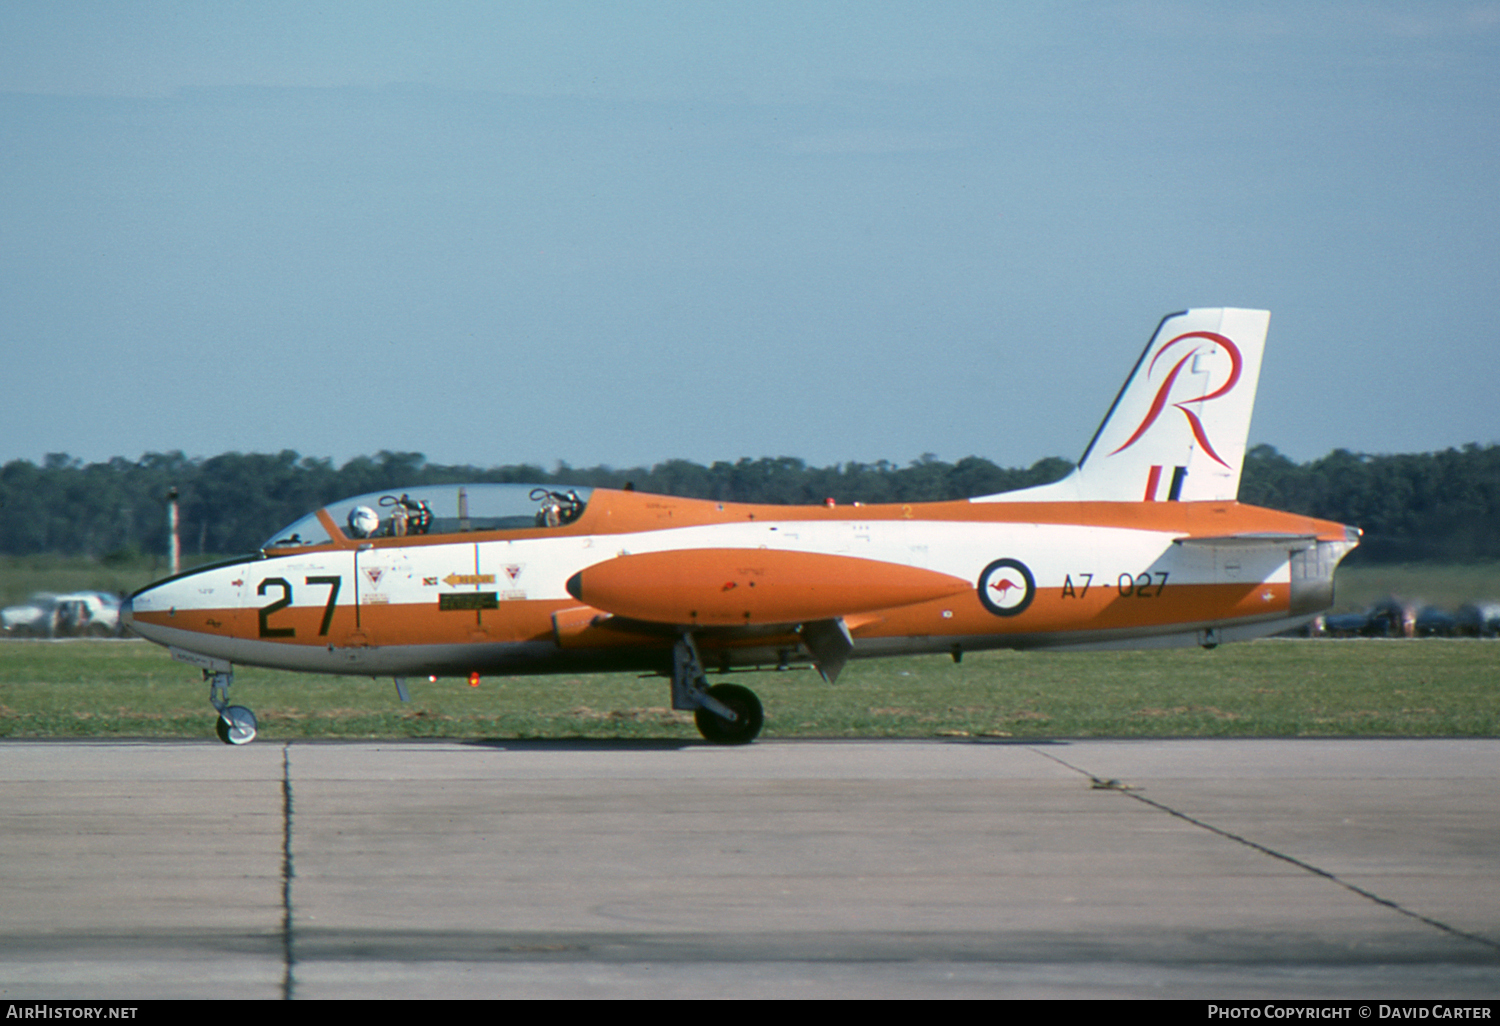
[1177, 430]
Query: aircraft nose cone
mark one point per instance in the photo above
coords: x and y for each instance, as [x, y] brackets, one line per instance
[140, 612]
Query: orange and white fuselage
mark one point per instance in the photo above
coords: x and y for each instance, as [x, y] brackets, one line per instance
[931, 577]
[1144, 544]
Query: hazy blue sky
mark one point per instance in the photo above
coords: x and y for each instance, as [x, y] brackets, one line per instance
[625, 232]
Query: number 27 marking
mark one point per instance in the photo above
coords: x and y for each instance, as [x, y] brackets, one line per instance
[267, 631]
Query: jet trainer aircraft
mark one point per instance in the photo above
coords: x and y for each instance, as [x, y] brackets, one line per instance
[1144, 544]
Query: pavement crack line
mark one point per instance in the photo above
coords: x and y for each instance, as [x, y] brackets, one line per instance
[1107, 784]
[288, 952]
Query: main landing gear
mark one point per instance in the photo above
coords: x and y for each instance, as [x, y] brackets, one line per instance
[726, 714]
[236, 724]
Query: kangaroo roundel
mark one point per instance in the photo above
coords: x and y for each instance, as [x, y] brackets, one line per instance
[1006, 587]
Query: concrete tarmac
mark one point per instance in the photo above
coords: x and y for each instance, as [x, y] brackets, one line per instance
[1296, 869]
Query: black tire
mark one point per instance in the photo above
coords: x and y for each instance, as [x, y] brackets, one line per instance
[746, 706]
[236, 726]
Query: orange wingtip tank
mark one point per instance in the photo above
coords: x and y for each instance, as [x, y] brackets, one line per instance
[731, 587]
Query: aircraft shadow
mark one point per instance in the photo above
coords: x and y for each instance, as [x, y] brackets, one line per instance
[586, 744]
[652, 744]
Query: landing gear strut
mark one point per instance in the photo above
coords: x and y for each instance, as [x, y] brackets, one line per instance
[726, 714]
[236, 724]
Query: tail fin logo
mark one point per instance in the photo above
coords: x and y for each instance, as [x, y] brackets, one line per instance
[1193, 340]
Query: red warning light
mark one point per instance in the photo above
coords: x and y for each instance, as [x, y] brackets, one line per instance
[474, 679]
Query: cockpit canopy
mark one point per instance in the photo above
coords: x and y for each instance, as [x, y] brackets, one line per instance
[439, 509]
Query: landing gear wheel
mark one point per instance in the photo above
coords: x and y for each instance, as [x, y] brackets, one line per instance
[236, 725]
[737, 732]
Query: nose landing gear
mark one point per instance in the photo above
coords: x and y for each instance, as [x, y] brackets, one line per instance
[236, 724]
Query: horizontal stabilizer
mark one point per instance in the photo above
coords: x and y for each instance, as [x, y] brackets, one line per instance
[1253, 541]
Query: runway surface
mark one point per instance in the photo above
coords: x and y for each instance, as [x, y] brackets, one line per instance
[1176, 869]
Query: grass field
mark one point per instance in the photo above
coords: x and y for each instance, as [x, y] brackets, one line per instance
[1277, 688]
[1266, 689]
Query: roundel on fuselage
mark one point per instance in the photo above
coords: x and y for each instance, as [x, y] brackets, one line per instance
[1006, 587]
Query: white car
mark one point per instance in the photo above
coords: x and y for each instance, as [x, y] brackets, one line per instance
[33, 618]
[93, 614]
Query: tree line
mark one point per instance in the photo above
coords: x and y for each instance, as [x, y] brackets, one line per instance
[1430, 506]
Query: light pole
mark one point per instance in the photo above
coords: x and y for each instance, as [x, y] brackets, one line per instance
[176, 553]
